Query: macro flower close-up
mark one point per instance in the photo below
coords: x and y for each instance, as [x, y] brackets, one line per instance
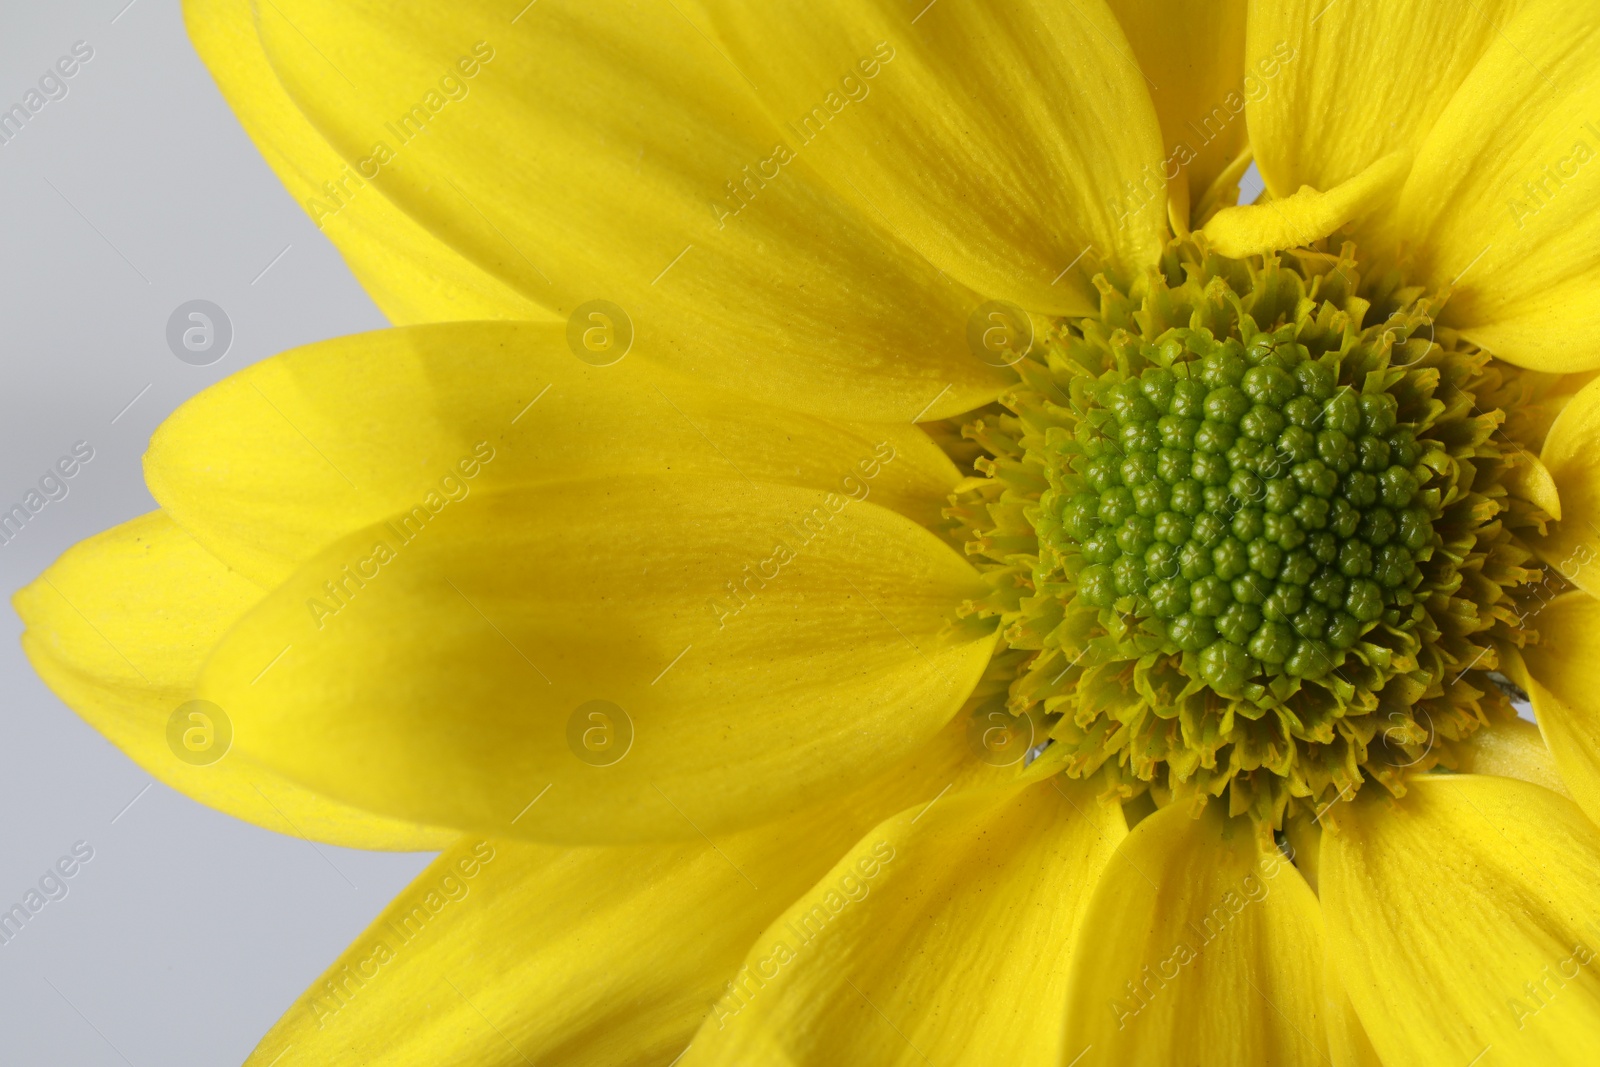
[861, 546]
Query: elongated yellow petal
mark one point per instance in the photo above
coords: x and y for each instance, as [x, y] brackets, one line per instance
[1540, 414]
[993, 138]
[1352, 85]
[1562, 684]
[1197, 948]
[1308, 215]
[1512, 749]
[590, 153]
[1348, 1044]
[1199, 79]
[668, 655]
[273, 464]
[945, 932]
[1506, 213]
[1531, 480]
[1460, 919]
[411, 273]
[119, 627]
[1572, 546]
[590, 957]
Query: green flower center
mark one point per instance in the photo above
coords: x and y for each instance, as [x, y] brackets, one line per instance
[1249, 531]
[1263, 504]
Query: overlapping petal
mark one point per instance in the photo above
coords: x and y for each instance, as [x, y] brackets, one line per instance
[1197, 947]
[1307, 215]
[506, 952]
[1561, 684]
[944, 932]
[761, 645]
[1572, 545]
[1500, 204]
[1355, 82]
[1511, 749]
[1348, 1044]
[994, 138]
[1200, 80]
[1461, 920]
[412, 274]
[273, 464]
[120, 626]
[583, 153]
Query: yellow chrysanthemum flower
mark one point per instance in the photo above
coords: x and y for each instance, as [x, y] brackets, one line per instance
[860, 552]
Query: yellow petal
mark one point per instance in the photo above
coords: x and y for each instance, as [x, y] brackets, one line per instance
[590, 957]
[1531, 480]
[1303, 832]
[119, 626]
[1566, 700]
[1194, 55]
[1198, 948]
[1506, 213]
[585, 153]
[1573, 463]
[1348, 1044]
[271, 465]
[1352, 86]
[1511, 749]
[1538, 414]
[993, 138]
[451, 674]
[944, 933]
[1306, 216]
[411, 273]
[1458, 917]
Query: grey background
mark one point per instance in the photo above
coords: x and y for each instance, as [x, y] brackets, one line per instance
[189, 933]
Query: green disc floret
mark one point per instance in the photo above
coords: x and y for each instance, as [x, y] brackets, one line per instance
[1260, 512]
[1256, 530]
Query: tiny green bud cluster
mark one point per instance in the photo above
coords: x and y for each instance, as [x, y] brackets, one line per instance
[1262, 513]
[1249, 531]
